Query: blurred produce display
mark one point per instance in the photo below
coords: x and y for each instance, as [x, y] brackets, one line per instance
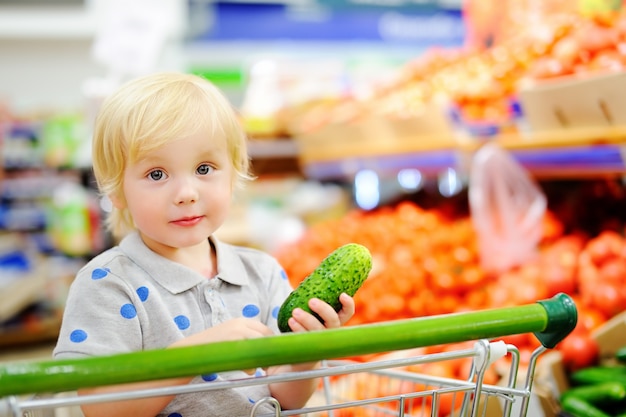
[475, 87]
[427, 262]
[494, 22]
[482, 84]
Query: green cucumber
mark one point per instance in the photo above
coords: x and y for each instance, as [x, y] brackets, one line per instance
[604, 392]
[581, 408]
[344, 270]
[599, 374]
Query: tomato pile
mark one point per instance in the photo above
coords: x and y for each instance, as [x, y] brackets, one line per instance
[427, 262]
[585, 45]
[482, 84]
[570, 45]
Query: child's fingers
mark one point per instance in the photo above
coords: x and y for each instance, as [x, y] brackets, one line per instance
[328, 314]
[348, 308]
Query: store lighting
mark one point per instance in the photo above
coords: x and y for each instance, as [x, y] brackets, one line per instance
[366, 189]
[450, 183]
[410, 179]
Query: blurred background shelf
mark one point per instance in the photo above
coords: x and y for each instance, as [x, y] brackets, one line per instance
[577, 153]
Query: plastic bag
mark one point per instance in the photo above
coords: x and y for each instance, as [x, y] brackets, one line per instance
[507, 209]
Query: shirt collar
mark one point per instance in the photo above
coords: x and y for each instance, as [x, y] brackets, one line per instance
[177, 278]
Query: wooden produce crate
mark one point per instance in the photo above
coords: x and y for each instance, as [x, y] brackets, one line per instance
[376, 136]
[575, 102]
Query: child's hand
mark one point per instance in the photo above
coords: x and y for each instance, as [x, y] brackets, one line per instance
[302, 321]
[235, 329]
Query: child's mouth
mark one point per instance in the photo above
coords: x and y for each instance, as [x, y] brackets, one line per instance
[187, 221]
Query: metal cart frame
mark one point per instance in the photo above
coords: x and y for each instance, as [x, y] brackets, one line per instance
[32, 388]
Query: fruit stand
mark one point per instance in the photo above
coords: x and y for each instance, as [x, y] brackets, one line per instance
[552, 98]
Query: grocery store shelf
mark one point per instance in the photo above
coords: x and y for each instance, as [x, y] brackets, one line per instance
[570, 154]
[566, 137]
[573, 161]
[563, 162]
[429, 162]
[22, 292]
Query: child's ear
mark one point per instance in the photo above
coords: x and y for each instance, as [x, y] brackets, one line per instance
[118, 201]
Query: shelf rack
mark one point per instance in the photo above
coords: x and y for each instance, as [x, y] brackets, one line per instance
[565, 153]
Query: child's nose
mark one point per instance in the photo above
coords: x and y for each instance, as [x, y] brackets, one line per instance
[187, 193]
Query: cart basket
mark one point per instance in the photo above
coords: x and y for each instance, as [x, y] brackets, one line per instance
[551, 320]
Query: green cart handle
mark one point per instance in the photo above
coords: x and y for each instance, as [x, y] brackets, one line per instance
[551, 320]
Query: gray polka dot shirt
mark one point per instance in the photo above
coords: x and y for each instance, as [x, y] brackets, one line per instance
[129, 298]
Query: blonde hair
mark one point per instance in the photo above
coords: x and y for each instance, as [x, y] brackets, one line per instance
[150, 111]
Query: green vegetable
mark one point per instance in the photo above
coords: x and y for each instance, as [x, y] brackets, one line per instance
[608, 391]
[620, 355]
[599, 374]
[344, 270]
[581, 408]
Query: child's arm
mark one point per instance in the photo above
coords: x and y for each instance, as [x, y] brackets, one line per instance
[235, 329]
[295, 394]
[136, 408]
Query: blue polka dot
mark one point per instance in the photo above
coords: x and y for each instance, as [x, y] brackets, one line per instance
[175, 415]
[182, 322]
[78, 336]
[209, 377]
[143, 293]
[128, 311]
[99, 273]
[275, 311]
[250, 310]
[283, 274]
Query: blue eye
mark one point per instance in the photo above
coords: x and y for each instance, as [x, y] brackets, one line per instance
[156, 175]
[204, 169]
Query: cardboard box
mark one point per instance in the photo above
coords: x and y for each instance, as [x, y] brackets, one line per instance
[551, 376]
[575, 102]
[611, 336]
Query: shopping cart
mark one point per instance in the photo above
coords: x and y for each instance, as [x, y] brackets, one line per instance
[44, 388]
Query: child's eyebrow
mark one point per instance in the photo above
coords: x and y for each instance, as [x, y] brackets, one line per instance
[148, 160]
[211, 152]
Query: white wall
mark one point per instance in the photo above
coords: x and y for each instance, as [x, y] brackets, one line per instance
[48, 74]
[46, 52]
[38, 74]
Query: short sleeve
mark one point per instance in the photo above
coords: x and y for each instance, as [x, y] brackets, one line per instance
[278, 290]
[100, 316]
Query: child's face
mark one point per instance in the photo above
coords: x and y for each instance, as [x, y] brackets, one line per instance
[179, 194]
